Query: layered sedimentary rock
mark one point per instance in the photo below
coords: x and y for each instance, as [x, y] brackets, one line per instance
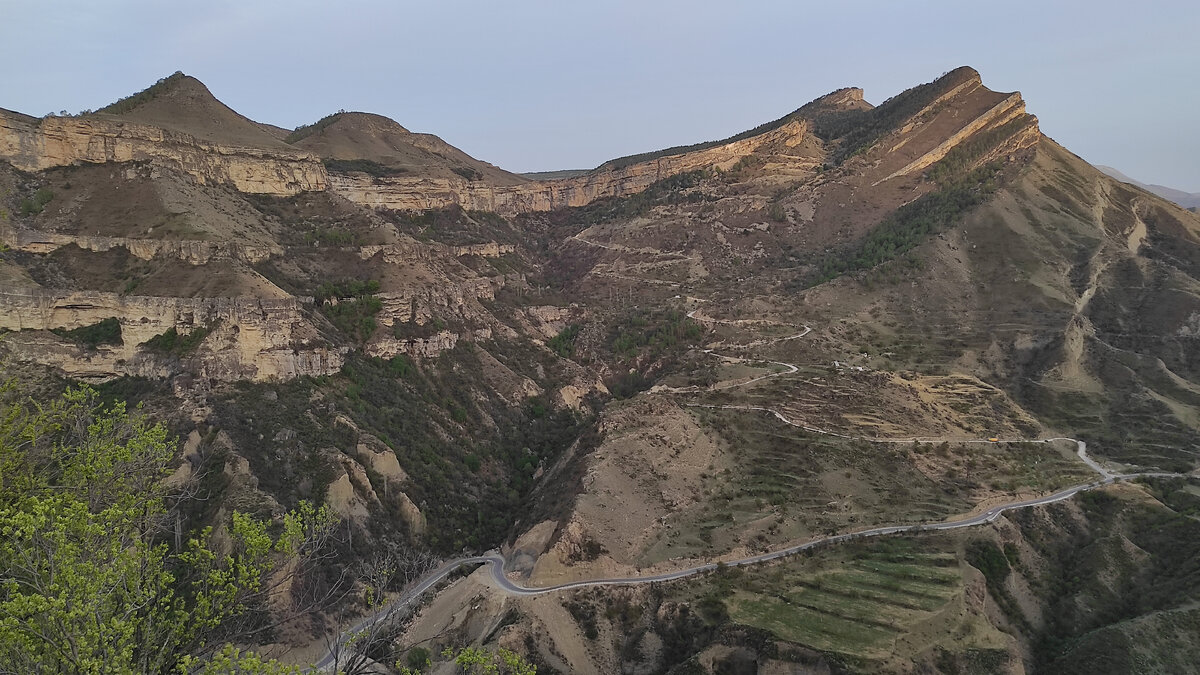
[489, 249]
[35, 145]
[1010, 109]
[192, 251]
[416, 193]
[251, 338]
[424, 347]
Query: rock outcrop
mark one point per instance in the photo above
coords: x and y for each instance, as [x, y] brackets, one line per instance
[31, 144]
[251, 338]
[423, 347]
[1010, 109]
[489, 249]
[191, 251]
[417, 193]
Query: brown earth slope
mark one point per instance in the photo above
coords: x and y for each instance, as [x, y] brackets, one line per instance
[377, 139]
[760, 324]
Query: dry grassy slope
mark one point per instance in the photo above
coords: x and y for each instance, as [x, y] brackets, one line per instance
[1075, 294]
[1067, 295]
[378, 139]
[1068, 300]
[727, 244]
[187, 106]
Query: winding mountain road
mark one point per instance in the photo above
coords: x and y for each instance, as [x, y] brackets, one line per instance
[497, 563]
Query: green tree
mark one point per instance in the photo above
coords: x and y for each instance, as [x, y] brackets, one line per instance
[88, 580]
[478, 661]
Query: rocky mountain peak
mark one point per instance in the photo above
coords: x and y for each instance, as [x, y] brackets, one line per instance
[183, 103]
[961, 75]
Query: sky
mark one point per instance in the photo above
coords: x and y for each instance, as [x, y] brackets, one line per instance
[556, 84]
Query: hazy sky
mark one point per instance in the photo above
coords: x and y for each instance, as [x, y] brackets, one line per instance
[566, 84]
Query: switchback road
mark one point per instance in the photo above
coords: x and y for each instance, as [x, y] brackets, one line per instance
[504, 584]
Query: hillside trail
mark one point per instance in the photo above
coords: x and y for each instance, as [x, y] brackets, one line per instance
[501, 583]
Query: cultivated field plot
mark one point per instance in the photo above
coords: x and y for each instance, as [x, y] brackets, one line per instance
[862, 601]
[777, 483]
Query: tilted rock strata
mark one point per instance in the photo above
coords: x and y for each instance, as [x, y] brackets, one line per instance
[403, 193]
[1011, 108]
[64, 141]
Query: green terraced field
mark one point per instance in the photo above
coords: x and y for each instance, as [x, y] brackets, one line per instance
[857, 607]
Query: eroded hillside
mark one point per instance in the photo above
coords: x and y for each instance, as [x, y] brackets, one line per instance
[702, 353]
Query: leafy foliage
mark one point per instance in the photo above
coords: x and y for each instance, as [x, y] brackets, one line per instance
[644, 342]
[478, 661]
[911, 224]
[86, 585]
[171, 342]
[346, 289]
[31, 206]
[351, 305]
[986, 557]
[652, 333]
[417, 410]
[105, 332]
[332, 236]
[563, 344]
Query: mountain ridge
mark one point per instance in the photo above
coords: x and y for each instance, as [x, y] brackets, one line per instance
[703, 353]
[1187, 200]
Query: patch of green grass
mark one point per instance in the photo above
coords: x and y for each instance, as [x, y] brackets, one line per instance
[105, 332]
[31, 206]
[367, 166]
[853, 600]
[563, 344]
[172, 342]
[351, 306]
[802, 625]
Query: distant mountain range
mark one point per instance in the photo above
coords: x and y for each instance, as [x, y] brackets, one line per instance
[1188, 200]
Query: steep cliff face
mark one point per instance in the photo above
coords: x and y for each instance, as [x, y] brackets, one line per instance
[194, 252]
[250, 338]
[36, 145]
[419, 193]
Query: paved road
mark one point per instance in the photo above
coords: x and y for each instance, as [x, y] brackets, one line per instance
[397, 606]
[497, 563]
